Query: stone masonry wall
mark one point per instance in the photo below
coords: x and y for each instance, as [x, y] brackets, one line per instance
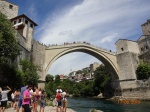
[144, 46]
[127, 65]
[141, 90]
[9, 9]
[38, 57]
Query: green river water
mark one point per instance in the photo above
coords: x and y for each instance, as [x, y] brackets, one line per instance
[86, 104]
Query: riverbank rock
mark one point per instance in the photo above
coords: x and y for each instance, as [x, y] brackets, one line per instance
[94, 110]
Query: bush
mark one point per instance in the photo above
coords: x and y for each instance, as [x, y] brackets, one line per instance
[143, 71]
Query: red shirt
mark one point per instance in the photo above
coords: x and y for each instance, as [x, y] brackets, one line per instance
[58, 96]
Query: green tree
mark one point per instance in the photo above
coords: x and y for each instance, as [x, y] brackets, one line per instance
[102, 77]
[9, 48]
[49, 78]
[143, 71]
[9, 73]
[28, 73]
[57, 78]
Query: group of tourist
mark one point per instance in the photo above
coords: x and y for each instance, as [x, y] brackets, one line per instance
[28, 97]
[61, 100]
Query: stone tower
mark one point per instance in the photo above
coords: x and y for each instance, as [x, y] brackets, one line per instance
[144, 42]
[25, 27]
[127, 59]
[9, 9]
[23, 24]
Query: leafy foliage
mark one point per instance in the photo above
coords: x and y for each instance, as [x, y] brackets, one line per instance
[102, 77]
[9, 50]
[9, 77]
[49, 78]
[57, 79]
[8, 43]
[143, 71]
[28, 73]
[83, 88]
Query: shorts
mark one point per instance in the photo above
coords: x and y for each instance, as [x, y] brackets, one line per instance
[3, 103]
[26, 108]
[13, 100]
[58, 103]
[42, 104]
[34, 100]
[64, 103]
[19, 102]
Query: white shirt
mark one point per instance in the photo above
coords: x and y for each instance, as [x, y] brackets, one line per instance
[4, 95]
[12, 95]
[58, 90]
[63, 95]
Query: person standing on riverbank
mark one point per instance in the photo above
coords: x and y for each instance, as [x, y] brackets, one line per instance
[58, 99]
[35, 98]
[16, 97]
[42, 101]
[26, 99]
[4, 97]
[64, 100]
[59, 89]
[20, 98]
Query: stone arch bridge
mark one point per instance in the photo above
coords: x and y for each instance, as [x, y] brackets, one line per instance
[51, 53]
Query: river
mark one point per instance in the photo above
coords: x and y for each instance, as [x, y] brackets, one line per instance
[86, 104]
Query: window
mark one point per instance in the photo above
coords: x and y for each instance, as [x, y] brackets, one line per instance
[14, 22]
[122, 49]
[10, 6]
[31, 25]
[26, 21]
[146, 47]
[19, 20]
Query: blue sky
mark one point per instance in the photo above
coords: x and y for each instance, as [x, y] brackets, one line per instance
[99, 22]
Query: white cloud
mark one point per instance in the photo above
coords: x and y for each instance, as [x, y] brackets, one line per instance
[99, 22]
[109, 38]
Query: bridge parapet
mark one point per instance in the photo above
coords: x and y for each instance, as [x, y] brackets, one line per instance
[79, 44]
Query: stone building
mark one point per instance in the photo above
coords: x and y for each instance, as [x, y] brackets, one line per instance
[94, 66]
[23, 25]
[144, 42]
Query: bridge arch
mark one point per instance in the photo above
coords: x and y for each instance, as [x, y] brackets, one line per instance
[106, 57]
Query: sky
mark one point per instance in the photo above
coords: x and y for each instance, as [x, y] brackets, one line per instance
[99, 22]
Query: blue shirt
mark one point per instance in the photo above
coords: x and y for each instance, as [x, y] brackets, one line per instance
[22, 90]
